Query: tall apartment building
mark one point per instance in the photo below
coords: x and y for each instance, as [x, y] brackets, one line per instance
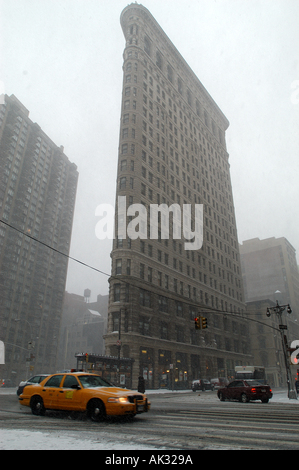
[37, 196]
[268, 266]
[172, 150]
[270, 271]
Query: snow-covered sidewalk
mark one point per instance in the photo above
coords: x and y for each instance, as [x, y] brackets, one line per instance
[20, 439]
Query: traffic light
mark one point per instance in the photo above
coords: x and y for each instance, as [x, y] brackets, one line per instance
[204, 323]
[197, 321]
[86, 357]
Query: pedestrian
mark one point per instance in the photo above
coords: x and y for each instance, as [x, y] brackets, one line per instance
[141, 384]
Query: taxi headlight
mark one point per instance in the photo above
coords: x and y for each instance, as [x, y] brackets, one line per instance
[118, 400]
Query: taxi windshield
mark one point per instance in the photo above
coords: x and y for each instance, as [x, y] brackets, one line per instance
[88, 381]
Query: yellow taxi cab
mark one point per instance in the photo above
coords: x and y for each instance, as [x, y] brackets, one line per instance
[81, 391]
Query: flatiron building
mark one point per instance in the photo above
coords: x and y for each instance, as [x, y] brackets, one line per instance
[172, 150]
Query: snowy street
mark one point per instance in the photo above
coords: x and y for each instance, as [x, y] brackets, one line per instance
[177, 421]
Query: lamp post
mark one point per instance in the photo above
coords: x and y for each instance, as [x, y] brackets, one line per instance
[278, 310]
[30, 344]
[118, 344]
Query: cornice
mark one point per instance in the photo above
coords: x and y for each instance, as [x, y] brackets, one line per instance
[144, 13]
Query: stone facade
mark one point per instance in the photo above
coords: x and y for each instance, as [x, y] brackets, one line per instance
[172, 150]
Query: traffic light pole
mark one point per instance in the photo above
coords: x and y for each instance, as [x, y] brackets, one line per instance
[278, 309]
[201, 323]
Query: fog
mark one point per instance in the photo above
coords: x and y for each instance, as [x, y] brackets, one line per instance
[63, 60]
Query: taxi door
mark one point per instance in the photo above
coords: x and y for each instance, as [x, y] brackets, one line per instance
[70, 398]
[50, 392]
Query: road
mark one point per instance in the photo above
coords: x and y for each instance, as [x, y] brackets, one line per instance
[176, 421]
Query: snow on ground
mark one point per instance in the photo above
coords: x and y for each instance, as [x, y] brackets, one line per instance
[20, 439]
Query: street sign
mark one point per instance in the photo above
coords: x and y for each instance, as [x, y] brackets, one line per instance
[118, 342]
[283, 327]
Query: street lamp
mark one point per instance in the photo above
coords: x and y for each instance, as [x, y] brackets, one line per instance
[30, 343]
[278, 310]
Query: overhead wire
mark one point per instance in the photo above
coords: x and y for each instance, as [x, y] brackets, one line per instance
[205, 309]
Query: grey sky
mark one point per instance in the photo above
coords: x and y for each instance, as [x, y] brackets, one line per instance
[63, 61]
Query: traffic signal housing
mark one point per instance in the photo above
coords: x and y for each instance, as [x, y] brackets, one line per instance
[197, 322]
[204, 323]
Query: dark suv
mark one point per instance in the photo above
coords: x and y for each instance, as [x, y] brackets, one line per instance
[202, 384]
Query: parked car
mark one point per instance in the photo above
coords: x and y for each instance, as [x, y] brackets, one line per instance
[36, 379]
[81, 391]
[245, 390]
[6, 383]
[219, 382]
[202, 384]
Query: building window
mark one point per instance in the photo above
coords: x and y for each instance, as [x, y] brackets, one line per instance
[179, 309]
[116, 292]
[147, 45]
[144, 326]
[118, 266]
[145, 298]
[163, 304]
[180, 86]
[115, 320]
[206, 118]
[192, 313]
[128, 267]
[122, 183]
[180, 336]
[170, 73]
[159, 61]
[164, 331]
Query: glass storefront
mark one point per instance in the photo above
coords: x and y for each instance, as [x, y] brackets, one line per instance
[165, 368]
[181, 371]
[146, 366]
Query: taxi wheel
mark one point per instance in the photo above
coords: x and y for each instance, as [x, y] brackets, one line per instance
[37, 406]
[96, 410]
